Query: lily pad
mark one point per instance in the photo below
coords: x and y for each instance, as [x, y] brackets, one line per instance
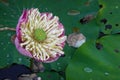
[98, 58]
[96, 64]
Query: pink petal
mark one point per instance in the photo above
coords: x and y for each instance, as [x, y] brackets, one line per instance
[23, 18]
[22, 50]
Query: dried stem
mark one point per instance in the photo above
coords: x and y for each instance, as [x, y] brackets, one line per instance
[7, 28]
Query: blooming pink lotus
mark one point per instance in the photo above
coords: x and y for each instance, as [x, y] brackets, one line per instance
[40, 36]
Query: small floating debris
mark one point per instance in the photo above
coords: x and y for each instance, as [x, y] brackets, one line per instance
[87, 18]
[88, 70]
[73, 12]
[76, 29]
[76, 39]
[88, 2]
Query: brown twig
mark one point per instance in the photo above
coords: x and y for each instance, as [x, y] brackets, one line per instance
[7, 28]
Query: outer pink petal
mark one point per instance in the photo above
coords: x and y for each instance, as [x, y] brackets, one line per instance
[23, 18]
[61, 26]
[20, 49]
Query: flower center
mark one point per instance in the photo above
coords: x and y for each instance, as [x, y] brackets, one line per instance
[39, 35]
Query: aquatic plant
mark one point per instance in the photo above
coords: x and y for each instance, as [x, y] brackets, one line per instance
[40, 36]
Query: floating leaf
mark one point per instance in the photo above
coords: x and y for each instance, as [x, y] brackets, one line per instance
[90, 63]
[96, 64]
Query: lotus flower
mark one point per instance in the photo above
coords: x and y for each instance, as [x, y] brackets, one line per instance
[40, 36]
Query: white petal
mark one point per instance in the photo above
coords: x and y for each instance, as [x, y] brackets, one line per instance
[44, 53]
[56, 32]
[25, 43]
